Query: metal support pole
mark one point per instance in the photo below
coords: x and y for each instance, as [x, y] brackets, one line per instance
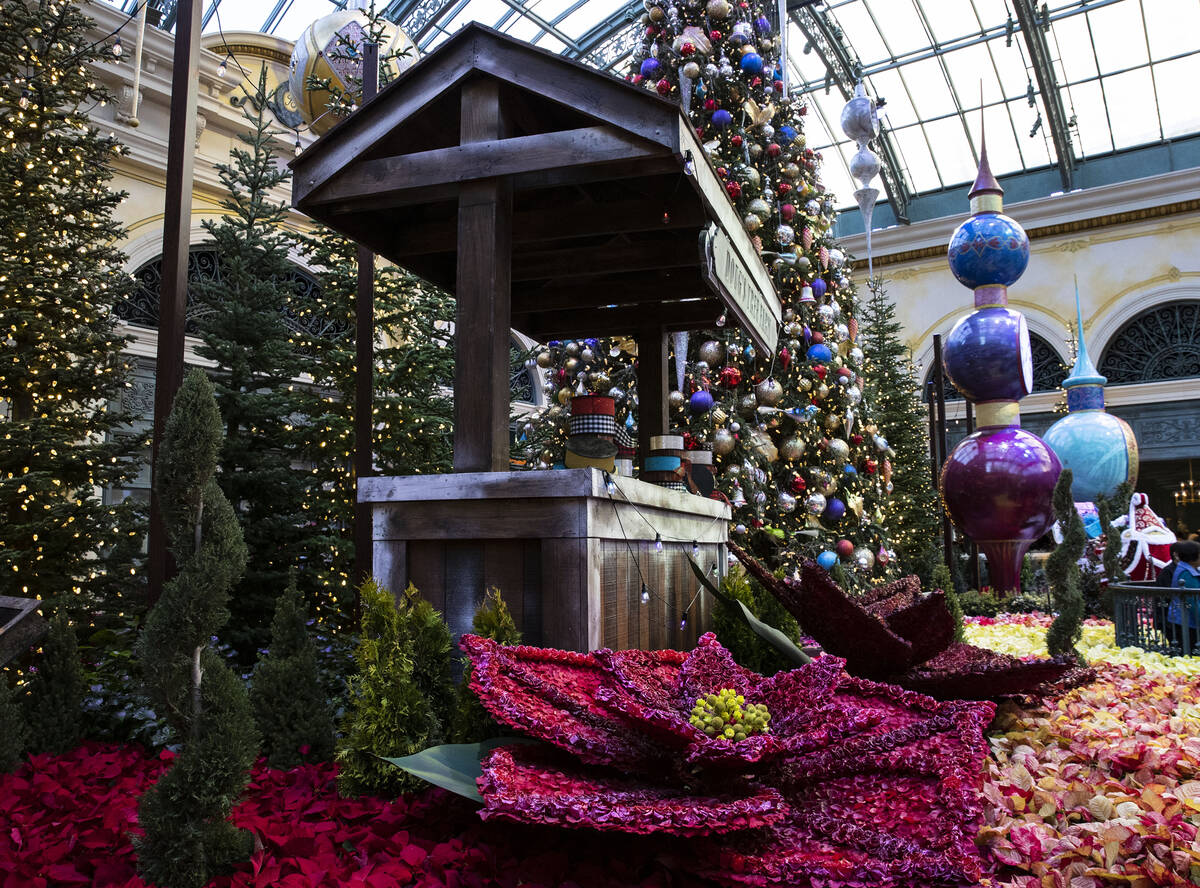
[364, 362]
[177, 230]
[975, 571]
[939, 383]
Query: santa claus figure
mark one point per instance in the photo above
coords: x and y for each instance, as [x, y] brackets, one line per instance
[1148, 538]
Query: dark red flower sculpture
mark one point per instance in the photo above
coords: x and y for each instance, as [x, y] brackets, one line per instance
[895, 633]
[853, 784]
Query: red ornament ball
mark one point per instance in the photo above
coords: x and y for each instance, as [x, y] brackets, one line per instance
[872, 466]
[687, 49]
[778, 86]
[784, 188]
[844, 548]
[798, 485]
[773, 150]
[818, 337]
[820, 369]
[636, 78]
[710, 105]
[735, 141]
[664, 87]
[788, 212]
[734, 189]
[730, 377]
[856, 439]
[714, 35]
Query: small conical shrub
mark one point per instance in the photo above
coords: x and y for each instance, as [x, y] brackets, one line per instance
[14, 733]
[56, 692]
[290, 707]
[472, 723]
[942, 579]
[400, 694]
[1062, 570]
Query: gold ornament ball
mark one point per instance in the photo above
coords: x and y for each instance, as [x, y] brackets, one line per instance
[839, 449]
[832, 421]
[792, 449]
[864, 558]
[675, 399]
[571, 365]
[317, 54]
[751, 222]
[822, 391]
[806, 384]
[718, 9]
[564, 395]
[712, 352]
[572, 349]
[768, 392]
[723, 442]
[657, 13]
[760, 208]
[544, 359]
[748, 405]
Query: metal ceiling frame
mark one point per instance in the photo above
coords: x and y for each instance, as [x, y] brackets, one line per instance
[842, 63]
[1031, 26]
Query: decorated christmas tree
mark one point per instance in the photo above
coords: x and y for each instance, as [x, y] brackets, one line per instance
[60, 275]
[797, 452]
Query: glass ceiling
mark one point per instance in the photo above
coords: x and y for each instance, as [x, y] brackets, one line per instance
[1124, 71]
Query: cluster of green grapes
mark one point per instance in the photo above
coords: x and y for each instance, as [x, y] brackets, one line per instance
[726, 714]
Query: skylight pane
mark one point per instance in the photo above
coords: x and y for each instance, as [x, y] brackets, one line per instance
[991, 12]
[861, 33]
[950, 21]
[835, 176]
[922, 172]
[587, 16]
[1074, 48]
[1119, 36]
[245, 16]
[1176, 82]
[1086, 102]
[809, 63]
[953, 157]
[899, 25]
[967, 67]
[1172, 26]
[928, 89]
[889, 86]
[1132, 110]
[1036, 149]
[1010, 65]
[299, 16]
[1004, 154]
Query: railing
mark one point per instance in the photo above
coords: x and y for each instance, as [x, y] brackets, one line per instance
[1155, 618]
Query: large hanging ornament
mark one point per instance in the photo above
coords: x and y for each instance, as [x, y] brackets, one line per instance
[860, 122]
[712, 352]
[330, 49]
[997, 483]
[769, 392]
[1098, 448]
[792, 449]
[723, 442]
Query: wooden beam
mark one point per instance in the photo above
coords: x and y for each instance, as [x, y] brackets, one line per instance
[468, 162]
[560, 223]
[690, 315]
[484, 291]
[606, 259]
[651, 386]
[603, 293]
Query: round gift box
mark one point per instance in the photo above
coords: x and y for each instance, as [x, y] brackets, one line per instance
[666, 442]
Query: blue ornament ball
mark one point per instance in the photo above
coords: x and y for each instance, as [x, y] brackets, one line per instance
[592, 342]
[989, 249]
[850, 470]
[827, 559]
[749, 353]
[835, 509]
[819, 287]
[722, 118]
[819, 353]
[700, 401]
[786, 135]
[650, 68]
[988, 357]
[762, 24]
[752, 63]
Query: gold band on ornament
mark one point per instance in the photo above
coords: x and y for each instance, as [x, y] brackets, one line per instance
[997, 413]
[987, 203]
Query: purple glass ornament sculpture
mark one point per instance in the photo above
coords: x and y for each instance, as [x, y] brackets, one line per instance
[998, 483]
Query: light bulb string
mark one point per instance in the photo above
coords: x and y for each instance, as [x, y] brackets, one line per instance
[610, 479]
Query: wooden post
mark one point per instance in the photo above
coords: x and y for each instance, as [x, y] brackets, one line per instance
[483, 319]
[177, 235]
[364, 362]
[975, 572]
[651, 386]
[939, 384]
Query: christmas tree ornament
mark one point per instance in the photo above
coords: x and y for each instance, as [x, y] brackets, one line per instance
[864, 558]
[712, 352]
[787, 502]
[792, 449]
[839, 450]
[814, 504]
[860, 122]
[1099, 448]
[701, 401]
[997, 483]
[769, 392]
[722, 442]
[835, 510]
[827, 559]
[819, 352]
[825, 314]
[544, 359]
[844, 548]
[676, 399]
[761, 444]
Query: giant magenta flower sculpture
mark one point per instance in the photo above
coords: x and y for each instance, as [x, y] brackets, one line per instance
[852, 782]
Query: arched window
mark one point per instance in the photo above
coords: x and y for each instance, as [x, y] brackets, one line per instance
[1049, 371]
[142, 308]
[1160, 343]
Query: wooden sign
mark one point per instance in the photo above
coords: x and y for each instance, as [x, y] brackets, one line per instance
[728, 275]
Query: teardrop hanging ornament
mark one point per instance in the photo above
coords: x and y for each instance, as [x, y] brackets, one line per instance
[681, 345]
[806, 237]
[852, 325]
[823, 257]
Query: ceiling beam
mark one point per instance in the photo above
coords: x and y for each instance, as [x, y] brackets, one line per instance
[830, 44]
[1043, 69]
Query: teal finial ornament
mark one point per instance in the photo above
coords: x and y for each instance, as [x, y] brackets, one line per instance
[1084, 373]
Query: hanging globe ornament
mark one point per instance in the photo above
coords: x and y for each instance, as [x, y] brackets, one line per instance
[769, 392]
[787, 502]
[827, 559]
[675, 399]
[814, 504]
[864, 558]
[786, 235]
[723, 442]
[752, 64]
[835, 510]
[712, 352]
[839, 450]
[700, 402]
[792, 449]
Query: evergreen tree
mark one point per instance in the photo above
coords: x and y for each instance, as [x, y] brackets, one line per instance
[414, 373]
[290, 706]
[14, 732]
[792, 431]
[56, 690]
[188, 838]
[1062, 570]
[892, 388]
[471, 722]
[940, 578]
[244, 330]
[400, 695]
[62, 371]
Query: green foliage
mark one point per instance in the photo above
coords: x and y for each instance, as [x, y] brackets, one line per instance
[116, 707]
[940, 579]
[62, 377]
[892, 388]
[290, 706]
[188, 838]
[401, 693]
[747, 648]
[1110, 509]
[976, 603]
[471, 723]
[245, 332]
[55, 703]
[1062, 570]
[14, 732]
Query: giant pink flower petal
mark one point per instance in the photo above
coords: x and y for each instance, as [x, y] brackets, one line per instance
[531, 785]
[963, 671]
